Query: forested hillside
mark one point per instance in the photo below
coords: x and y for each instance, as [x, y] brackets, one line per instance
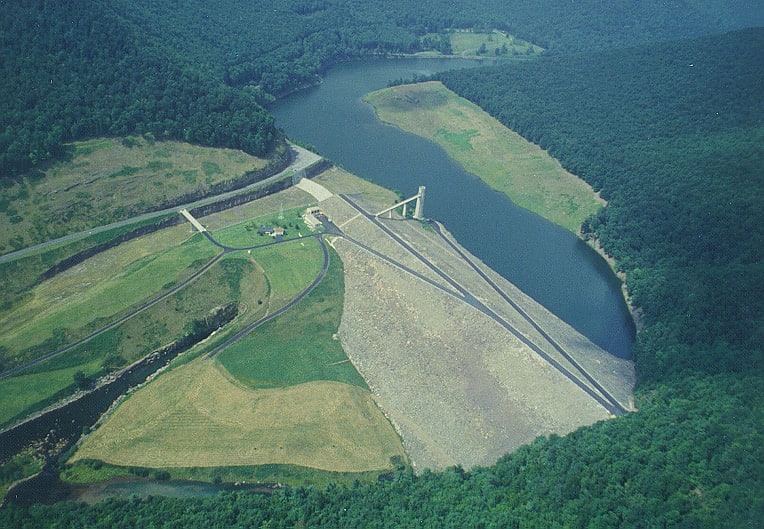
[672, 136]
[74, 70]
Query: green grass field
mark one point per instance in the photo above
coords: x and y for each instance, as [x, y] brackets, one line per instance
[235, 278]
[95, 471]
[300, 346]
[290, 267]
[484, 147]
[22, 394]
[284, 404]
[246, 234]
[468, 44]
[107, 180]
[18, 276]
[85, 298]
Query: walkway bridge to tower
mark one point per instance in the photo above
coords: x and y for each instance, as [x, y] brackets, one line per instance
[418, 207]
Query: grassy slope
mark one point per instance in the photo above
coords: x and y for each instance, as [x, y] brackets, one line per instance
[83, 299]
[39, 317]
[233, 279]
[246, 234]
[106, 181]
[503, 159]
[196, 414]
[299, 347]
[467, 43]
[318, 412]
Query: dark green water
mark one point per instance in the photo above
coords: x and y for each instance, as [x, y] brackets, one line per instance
[545, 261]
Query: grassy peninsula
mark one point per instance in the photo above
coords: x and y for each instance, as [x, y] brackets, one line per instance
[507, 162]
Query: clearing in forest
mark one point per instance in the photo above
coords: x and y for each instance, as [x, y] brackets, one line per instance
[490, 44]
[109, 179]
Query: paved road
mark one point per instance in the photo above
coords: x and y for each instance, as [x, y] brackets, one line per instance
[154, 301]
[302, 159]
[244, 332]
[113, 324]
[599, 394]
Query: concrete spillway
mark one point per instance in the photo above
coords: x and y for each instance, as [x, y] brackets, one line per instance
[192, 220]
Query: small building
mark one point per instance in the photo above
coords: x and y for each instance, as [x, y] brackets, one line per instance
[311, 221]
[278, 232]
[265, 230]
[310, 217]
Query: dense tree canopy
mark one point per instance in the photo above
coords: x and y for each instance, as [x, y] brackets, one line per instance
[674, 464]
[672, 136]
[75, 69]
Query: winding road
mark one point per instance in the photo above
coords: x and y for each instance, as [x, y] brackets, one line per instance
[302, 159]
[577, 375]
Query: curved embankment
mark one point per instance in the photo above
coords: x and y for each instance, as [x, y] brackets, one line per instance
[461, 388]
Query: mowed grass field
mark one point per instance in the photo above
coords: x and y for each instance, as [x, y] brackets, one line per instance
[467, 43]
[246, 234]
[236, 278]
[285, 395]
[290, 267]
[56, 312]
[529, 176]
[197, 415]
[283, 399]
[300, 346]
[107, 180]
[86, 297]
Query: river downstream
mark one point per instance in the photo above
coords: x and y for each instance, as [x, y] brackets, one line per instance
[547, 262]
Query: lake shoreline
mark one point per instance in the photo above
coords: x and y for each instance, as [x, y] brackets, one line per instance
[415, 126]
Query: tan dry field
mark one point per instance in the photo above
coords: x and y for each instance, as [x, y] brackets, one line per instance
[106, 180]
[196, 416]
[459, 388]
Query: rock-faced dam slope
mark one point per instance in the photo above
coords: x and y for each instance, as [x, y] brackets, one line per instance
[465, 365]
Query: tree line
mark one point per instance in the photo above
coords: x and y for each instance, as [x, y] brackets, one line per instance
[201, 71]
[74, 70]
[670, 134]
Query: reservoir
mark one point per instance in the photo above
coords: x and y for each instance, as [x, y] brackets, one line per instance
[547, 262]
